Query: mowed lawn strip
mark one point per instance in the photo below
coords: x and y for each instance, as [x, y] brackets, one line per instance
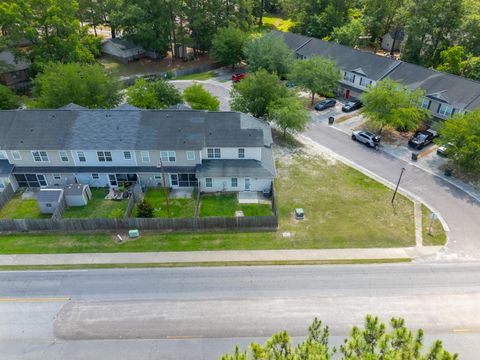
[343, 209]
[438, 235]
[98, 207]
[218, 205]
[18, 208]
[179, 208]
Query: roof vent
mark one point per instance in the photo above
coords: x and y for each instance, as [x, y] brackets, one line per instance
[209, 133]
[179, 129]
[31, 129]
[167, 115]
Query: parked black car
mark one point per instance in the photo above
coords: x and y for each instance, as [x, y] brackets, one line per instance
[422, 138]
[325, 104]
[352, 105]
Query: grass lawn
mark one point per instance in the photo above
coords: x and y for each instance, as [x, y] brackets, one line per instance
[17, 208]
[98, 207]
[227, 204]
[179, 208]
[343, 209]
[438, 236]
[278, 23]
[200, 76]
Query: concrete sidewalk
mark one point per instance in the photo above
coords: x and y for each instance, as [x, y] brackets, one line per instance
[220, 256]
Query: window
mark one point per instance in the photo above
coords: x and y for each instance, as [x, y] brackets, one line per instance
[213, 153]
[349, 77]
[95, 177]
[168, 156]
[157, 177]
[190, 155]
[365, 82]
[241, 153]
[208, 182]
[56, 176]
[145, 156]
[445, 110]
[234, 182]
[426, 104]
[187, 180]
[63, 156]
[48, 205]
[81, 156]
[174, 179]
[40, 156]
[3, 156]
[104, 156]
[127, 155]
[16, 155]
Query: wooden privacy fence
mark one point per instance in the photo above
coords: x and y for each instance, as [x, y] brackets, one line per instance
[6, 195]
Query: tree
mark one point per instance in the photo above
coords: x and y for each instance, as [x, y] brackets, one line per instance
[85, 85]
[452, 60]
[8, 99]
[268, 52]
[256, 92]
[348, 34]
[157, 94]
[144, 209]
[316, 74]
[390, 103]
[462, 131]
[373, 342]
[289, 114]
[471, 68]
[227, 46]
[200, 99]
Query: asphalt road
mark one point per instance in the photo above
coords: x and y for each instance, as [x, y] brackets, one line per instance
[460, 211]
[200, 313]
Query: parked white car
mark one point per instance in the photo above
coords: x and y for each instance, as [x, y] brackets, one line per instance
[366, 137]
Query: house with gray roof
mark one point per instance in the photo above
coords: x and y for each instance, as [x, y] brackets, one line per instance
[445, 94]
[14, 71]
[122, 49]
[217, 151]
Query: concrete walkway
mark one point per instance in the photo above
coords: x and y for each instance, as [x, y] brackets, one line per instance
[219, 256]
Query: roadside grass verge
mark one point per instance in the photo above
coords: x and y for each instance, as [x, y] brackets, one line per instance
[200, 76]
[179, 208]
[437, 235]
[98, 207]
[202, 264]
[18, 208]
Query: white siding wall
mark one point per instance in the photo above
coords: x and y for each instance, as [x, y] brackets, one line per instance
[224, 184]
[91, 156]
[232, 153]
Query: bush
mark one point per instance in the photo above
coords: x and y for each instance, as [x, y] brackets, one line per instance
[144, 209]
[8, 99]
[156, 94]
[200, 99]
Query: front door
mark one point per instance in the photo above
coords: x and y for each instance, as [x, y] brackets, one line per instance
[347, 94]
[113, 180]
[174, 180]
[247, 184]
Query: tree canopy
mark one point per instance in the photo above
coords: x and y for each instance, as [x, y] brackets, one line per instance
[348, 34]
[390, 103]
[268, 52]
[316, 74]
[227, 46]
[200, 99]
[462, 132]
[8, 99]
[289, 114]
[82, 84]
[372, 342]
[256, 92]
[157, 94]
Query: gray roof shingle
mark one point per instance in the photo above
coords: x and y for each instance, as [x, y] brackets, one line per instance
[128, 129]
[233, 168]
[49, 195]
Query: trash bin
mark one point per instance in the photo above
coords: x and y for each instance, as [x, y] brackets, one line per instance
[448, 172]
[414, 156]
[331, 119]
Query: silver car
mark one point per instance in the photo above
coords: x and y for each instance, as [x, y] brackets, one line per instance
[366, 137]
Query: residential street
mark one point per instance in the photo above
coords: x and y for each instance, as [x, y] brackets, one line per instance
[200, 313]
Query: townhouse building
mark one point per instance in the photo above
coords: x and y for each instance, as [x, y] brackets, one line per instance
[445, 94]
[216, 151]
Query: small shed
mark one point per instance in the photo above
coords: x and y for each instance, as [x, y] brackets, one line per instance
[123, 50]
[77, 194]
[14, 71]
[393, 39]
[49, 199]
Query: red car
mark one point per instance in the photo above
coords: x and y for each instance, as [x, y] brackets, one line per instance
[238, 77]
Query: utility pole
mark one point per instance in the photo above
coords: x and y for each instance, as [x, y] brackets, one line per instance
[165, 187]
[398, 183]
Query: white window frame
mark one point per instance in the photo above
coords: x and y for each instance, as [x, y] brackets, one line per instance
[208, 182]
[168, 156]
[57, 177]
[364, 82]
[145, 155]
[425, 103]
[16, 155]
[242, 152]
[105, 155]
[63, 155]
[445, 107]
[214, 153]
[40, 156]
[190, 155]
[234, 182]
[127, 157]
[3, 155]
[349, 77]
[157, 177]
[95, 176]
[81, 155]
